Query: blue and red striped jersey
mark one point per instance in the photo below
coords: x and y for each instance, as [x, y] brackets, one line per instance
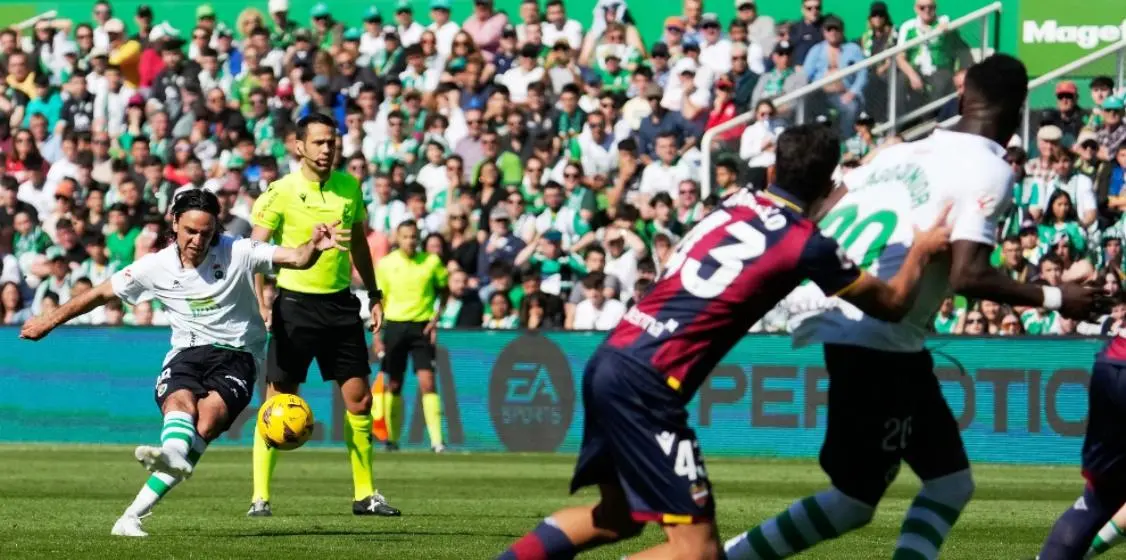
[731, 268]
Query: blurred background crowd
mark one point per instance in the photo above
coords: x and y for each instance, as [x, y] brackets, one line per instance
[553, 165]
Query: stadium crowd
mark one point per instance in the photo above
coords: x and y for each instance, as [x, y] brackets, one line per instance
[552, 165]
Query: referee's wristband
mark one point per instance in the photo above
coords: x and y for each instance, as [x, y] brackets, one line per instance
[1053, 298]
[375, 296]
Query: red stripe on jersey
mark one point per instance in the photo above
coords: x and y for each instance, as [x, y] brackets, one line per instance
[1116, 349]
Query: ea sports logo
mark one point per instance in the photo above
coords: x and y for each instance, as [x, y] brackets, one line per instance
[531, 395]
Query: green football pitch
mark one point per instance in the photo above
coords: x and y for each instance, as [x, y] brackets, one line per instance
[61, 501]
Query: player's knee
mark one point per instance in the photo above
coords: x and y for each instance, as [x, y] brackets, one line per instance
[395, 384]
[179, 401]
[208, 429]
[694, 542]
[617, 520]
[954, 490]
[426, 382]
[281, 388]
[845, 512]
[359, 404]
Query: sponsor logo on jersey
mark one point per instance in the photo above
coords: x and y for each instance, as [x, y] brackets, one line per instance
[650, 324]
[531, 395]
[911, 175]
[666, 441]
[699, 493]
[203, 306]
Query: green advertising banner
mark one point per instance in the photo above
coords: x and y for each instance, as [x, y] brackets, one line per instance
[1054, 33]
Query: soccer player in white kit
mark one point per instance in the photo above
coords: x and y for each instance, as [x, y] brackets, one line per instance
[885, 405]
[206, 282]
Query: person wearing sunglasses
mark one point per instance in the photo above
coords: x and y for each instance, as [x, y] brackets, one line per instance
[832, 55]
[929, 67]
[808, 31]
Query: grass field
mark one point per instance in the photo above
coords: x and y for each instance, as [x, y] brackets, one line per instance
[60, 502]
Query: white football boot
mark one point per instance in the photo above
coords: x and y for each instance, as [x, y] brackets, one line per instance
[158, 459]
[128, 526]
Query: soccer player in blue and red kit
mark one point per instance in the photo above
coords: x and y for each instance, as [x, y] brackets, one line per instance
[733, 267]
[1091, 525]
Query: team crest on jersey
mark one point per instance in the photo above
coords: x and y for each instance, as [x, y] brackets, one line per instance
[699, 493]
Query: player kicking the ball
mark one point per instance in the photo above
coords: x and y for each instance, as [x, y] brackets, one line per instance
[732, 268]
[885, 403]
[205, 281]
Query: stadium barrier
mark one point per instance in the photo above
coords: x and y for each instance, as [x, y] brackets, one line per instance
[1018, 400]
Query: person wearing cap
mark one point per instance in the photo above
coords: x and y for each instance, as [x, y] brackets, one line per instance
[1112, 135]
[444, 29]
[485, 27]
[761, 29]
[672, 36]
[1067, 114]
[143, 19]
[124, 53]
[409, 30]
[830, 55]
[283, 28]
[1039, 170]
[715, 49]
[783, 78]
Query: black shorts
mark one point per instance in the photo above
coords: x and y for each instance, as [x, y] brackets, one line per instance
[325, 327]
[636, 435]
[403, 340]
[1104, 446]
[886, 407]
[202, 369]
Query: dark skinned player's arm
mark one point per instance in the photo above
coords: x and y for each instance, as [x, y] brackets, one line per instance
[972, 275]
[892, 300]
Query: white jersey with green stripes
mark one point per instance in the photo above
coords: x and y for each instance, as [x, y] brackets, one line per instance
[903, 188]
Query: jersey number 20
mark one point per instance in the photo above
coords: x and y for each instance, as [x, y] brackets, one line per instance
[750, 243]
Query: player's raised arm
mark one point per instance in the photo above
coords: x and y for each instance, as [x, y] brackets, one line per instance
[892, 300]
[38, 327]
[324, 238]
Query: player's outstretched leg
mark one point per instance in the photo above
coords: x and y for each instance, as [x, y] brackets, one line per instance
[180, 442]
[431, 409]
[571, 531]
[357, 438]
[1074, 531]
[931, 516]
[1112, 534]
[808, 521]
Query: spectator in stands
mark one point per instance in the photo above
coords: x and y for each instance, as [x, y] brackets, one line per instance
[878, 36]
[756, 147]
[1101, 89]
[1067, 114]
[929, 67]
[661, 122]
[1078, 186]
[485, 27]
[58, 281]
[831, 55]
[949, 319]
[760, 28]
[462, 308]
[500, 245]
[1112, 134]
[1110, 188]
[12, 306]
[780, 80]
[596, 311]
[863, 142]
[808, 31]
[1013, 262]
[1039, 170]
[975, 324]
[1011, 325]
[500, 314]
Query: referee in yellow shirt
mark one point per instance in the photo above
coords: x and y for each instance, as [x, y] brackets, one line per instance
[315, 315]
[413, 283]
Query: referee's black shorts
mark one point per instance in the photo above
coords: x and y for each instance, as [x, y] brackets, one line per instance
[325, 327]
[402, 340]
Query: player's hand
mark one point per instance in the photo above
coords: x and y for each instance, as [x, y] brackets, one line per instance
[1078, 301]
[376, 317]
[936, 239]
[35, 328]
[267, 314]
[431, 330]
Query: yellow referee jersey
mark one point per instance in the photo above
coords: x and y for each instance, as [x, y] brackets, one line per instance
[292, 206]
[410, 285]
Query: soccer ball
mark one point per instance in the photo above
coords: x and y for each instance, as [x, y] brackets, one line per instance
[285, 421]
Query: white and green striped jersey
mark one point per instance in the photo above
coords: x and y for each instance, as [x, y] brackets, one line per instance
[567, 221]
[905, 187]
[938, 53]
[97, 273]
[385, 152]
[945, 324]
[1036, 322]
